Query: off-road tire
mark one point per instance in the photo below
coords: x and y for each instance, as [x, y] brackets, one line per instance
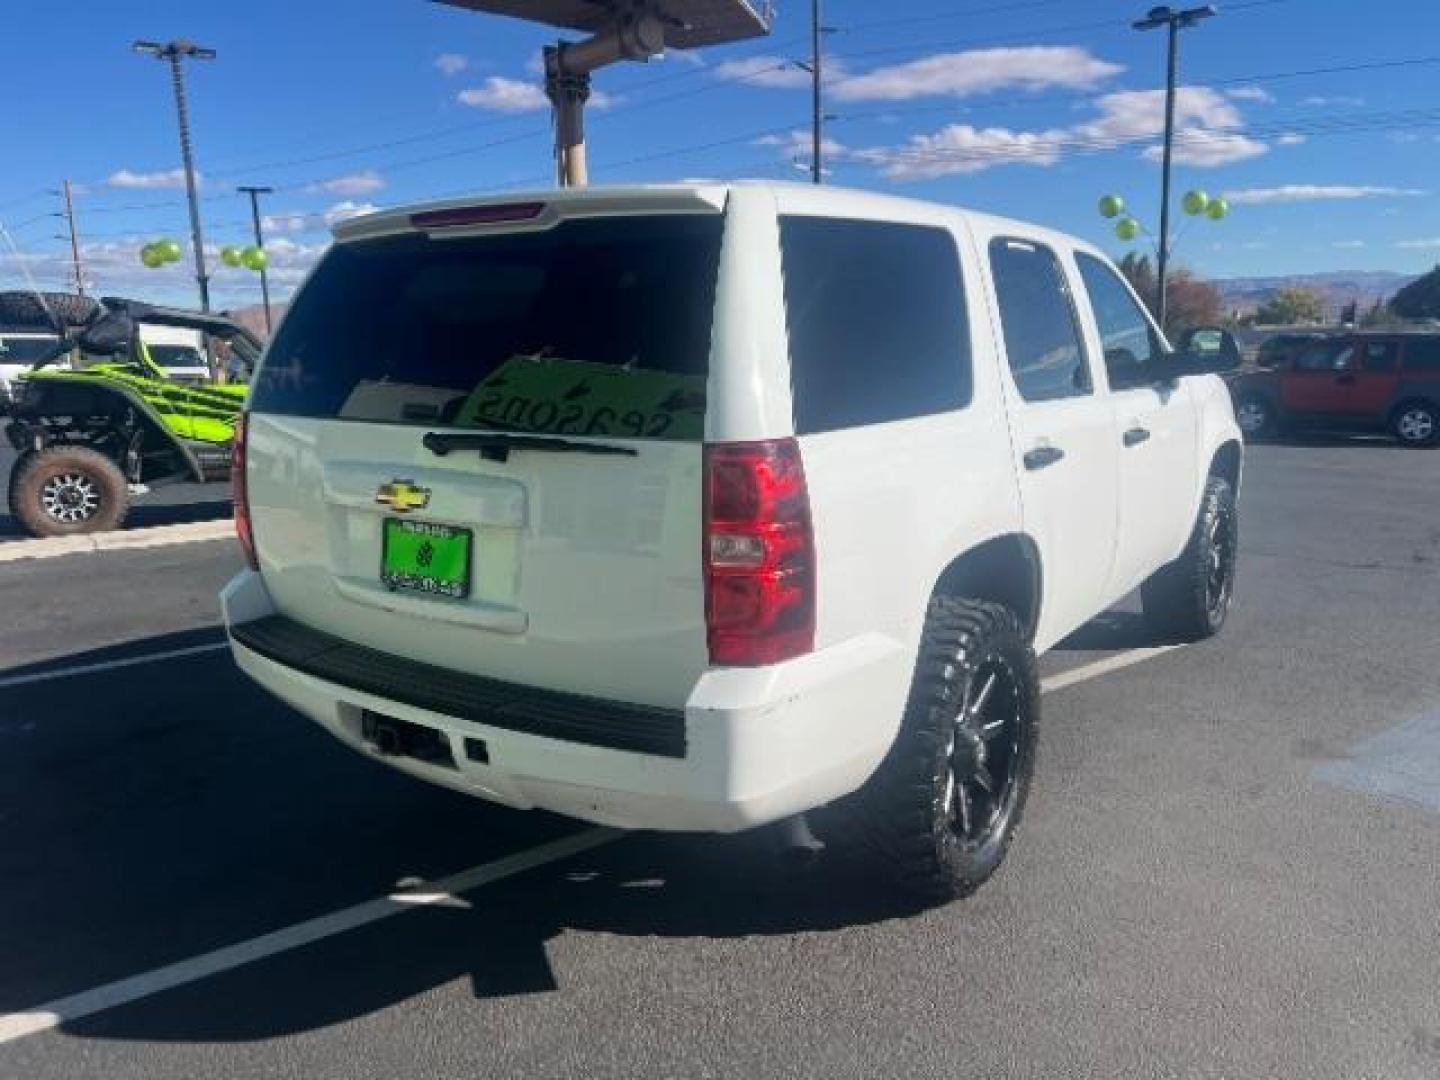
[39, 468]
[19, 309]
[905, 809]
[1407, 423]
[1183, 601]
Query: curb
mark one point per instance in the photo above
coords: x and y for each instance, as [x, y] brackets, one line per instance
[123, 540]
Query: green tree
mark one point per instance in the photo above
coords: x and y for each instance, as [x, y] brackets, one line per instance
[1191, 301]
[1420, 299]
[1291, 307]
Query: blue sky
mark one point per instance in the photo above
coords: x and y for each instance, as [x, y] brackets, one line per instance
[1030, 108]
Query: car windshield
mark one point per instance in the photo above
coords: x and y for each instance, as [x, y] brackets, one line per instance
[176, 356]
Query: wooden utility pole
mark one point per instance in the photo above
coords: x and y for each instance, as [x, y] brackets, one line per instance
[77, 265]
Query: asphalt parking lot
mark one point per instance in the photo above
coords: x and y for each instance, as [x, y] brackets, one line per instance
[1230, 865]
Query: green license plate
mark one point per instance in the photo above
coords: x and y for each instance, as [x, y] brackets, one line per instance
[425, 558]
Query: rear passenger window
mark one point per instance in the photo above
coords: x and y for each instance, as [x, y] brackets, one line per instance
[1042, 339]
[876, 313]
[1422, 354]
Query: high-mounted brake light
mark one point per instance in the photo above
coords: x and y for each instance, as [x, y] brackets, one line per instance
[240, 492]
[477, 215]
[759, 554]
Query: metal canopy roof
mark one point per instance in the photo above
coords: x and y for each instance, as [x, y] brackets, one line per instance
[689, 24]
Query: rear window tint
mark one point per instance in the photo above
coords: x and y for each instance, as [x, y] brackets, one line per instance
[876, 313]
[1422, 354]
[595, 327]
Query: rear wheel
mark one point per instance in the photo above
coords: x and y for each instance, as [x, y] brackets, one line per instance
[67, 490]
[1255, 417]
[1189, 599]
[1416, 423]
[946, 802]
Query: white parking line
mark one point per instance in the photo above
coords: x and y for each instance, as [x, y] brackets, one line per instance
[122, 540]
[1103, 666]
[444, 892]
[111, 665]
[44, 1017]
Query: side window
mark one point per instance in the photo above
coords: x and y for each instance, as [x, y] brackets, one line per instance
[1126, 335]
[1324, 356]
[876, 313]
[1042, 340]
[1381, 356]
[1423, 354]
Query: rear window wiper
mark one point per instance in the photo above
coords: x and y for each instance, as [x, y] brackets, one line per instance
[494, 446]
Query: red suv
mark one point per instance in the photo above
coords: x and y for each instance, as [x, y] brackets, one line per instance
[1361, 381]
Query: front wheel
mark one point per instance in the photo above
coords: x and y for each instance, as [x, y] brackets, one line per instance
[1189, 599]
[945, 804]
[65, 490]
[1416, 423]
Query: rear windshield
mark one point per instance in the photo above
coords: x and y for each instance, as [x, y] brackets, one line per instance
[595, 327]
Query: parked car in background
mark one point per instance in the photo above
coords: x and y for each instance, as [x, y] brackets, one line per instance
[19, 348]
[1359, 381]
[177, 351]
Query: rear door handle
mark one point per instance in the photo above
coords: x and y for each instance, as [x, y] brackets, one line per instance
[1042, 457]
[1135, 436]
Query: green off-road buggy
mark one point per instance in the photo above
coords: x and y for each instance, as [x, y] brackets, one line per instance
[112, 424]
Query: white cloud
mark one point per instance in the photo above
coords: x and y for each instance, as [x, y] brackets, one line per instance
[1348, 245]
[771, 72]
[344, 211]
[168, 178]
[978, 71]
[499, 93]
[1257, 94]
[1342, 100]
[1208, 134]
[1432, 242]
[366, 182]
[287, 221]
[1292, 138]
[451, 63]
[686, 57]
[1291, 193]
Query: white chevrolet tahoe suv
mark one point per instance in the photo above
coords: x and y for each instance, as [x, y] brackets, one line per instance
[701, 507]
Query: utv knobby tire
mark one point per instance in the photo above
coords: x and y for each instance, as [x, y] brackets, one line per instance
[23, 309]
[906, 808]
[40, 467]
[1179, 599]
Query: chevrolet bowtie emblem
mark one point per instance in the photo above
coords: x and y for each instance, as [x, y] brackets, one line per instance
[402, 496]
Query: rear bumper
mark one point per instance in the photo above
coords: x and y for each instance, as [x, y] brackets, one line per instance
[754, 745]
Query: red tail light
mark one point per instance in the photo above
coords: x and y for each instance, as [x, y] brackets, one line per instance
[759, 554]
[240, 491]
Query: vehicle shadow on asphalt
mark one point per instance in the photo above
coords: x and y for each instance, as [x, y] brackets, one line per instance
[1113, 630]
[644, 887]
[143, 517]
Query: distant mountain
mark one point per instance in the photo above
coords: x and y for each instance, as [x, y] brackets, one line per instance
[1339, 287]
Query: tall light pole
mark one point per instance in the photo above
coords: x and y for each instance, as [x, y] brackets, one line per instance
[255, 193]
[817, 121]
[173, 53]
[1174, 21]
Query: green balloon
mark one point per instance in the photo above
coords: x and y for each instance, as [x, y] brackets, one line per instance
[1111, 206]
[169, 250]
[151, 257]
[1127, 229]
[1195, 202]
[254, 258]
[230, 255]
[1217, 208]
